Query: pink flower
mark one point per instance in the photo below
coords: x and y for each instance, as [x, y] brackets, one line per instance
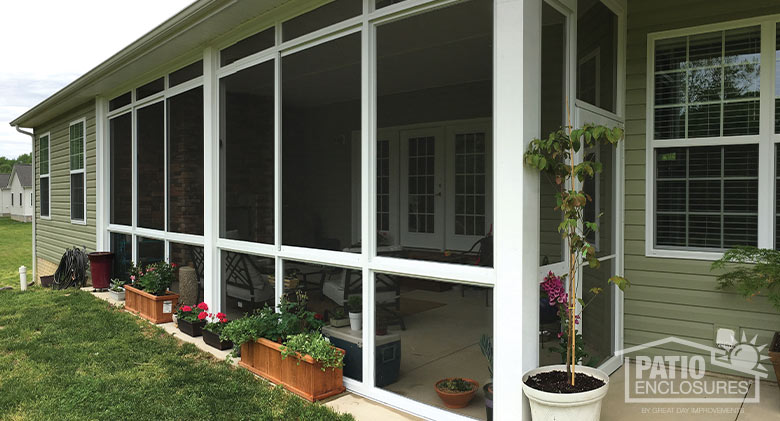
[132, 277]
[560, 334]
[553, 286]
[186, 309]
[202, 315]
[203, 306]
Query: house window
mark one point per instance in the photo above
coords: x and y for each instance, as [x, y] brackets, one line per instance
[150, 173]
[20, 200]
[12, 200]
[707, 197]
[707, 85]
[44, 159]
[121, 169]
[705, 137]
[77, 173]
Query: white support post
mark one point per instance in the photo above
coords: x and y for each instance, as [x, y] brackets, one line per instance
[517, 97]
[212, 293]
[102, 178]
[766, 147]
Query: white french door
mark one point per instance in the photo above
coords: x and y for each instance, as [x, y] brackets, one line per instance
[422, 188]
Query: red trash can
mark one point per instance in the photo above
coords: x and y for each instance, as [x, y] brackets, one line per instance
[100, 263]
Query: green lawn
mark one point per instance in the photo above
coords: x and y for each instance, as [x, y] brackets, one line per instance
[66, 355]
[15, 251]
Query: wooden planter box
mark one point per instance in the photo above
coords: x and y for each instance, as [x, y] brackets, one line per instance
[307, 380]
[156, 309]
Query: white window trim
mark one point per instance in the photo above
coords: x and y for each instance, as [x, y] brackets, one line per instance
[82, 170]
[765, 139]
[47, 176]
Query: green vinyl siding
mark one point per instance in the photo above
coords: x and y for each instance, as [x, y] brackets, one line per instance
[675, 297]
[54, 235]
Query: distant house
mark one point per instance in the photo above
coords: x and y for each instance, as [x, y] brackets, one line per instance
[5, 195]
[17, 194]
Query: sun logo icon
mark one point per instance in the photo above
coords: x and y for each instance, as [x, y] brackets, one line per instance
[745, 357]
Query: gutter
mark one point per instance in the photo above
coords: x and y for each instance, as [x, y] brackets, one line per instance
[32, 154]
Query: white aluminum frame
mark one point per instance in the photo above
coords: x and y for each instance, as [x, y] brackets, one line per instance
[82, 170]
[517, 70]
[765, 140]
[47, 176]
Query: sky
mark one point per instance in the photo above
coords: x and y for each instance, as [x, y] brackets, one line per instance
[47, 44]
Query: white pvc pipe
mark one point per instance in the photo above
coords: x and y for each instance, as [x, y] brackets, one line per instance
[23, 278]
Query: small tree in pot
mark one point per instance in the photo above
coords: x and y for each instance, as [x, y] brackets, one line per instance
[556, 158]
[752, 272]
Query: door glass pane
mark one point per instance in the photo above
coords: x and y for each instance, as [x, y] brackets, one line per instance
[553, 115]
[597, 54]
[601, 209]
[436, 99]
[150, 178]
[246, 187]
[121, 168]
[189, 272]
[422, 173]
[247, 283]
[185, 162]
[321, 117]
[122, 247]
[426, 331]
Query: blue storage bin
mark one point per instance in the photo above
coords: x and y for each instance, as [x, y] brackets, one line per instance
[388, 353]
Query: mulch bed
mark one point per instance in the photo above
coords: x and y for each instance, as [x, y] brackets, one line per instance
[559, 382]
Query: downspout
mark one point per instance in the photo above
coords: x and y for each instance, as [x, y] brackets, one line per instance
[32, 154]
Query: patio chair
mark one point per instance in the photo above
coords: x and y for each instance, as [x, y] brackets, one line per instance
[245, 280]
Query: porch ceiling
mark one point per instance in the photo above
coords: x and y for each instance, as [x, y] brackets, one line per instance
[193, 27]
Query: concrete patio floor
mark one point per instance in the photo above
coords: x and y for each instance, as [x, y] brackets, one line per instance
[614, 407]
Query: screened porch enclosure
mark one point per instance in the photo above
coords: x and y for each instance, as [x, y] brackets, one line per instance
[367, 159]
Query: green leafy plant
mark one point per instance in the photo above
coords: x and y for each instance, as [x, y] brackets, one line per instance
[753, 271]
[556, 158]
[157, 278]
[355, 304]
[338, 313]
[117, 285]
[456, 385]
[316, 346]
[486, 346]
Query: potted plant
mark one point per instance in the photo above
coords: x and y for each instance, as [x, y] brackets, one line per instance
[355, 308]
[117, 290]
[192, 319]
[571, 390]
[338, 318]
[456, 392]
[148, 295]
[754, 271]
[315, 373]
[486, 346]
[213, 329]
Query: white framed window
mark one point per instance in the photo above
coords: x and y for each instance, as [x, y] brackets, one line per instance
[78, 179]
[44, 158]
[710, 120]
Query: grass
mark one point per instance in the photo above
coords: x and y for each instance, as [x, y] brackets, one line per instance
[15, 251]
[67, 355]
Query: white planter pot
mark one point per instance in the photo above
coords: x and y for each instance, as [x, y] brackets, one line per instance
[584, 406]
[356, 321]
[117, 295]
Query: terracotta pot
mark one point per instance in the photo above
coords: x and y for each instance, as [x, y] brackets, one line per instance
[303, 376]
[774, 356]
[456, 399]
[156, 309]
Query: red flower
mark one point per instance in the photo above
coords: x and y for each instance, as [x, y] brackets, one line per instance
[223, 320]
[186, 308]
[221, 316]
[318, 316]
[203, 306]
[202, 315]
[173, 265]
